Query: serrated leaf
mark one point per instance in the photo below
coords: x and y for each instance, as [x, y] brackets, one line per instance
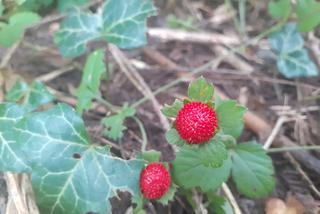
[13, 31]
[200, 90]
[63, 5]
[151, 156]
[252, 170]
[279, 9]
[218, 204]
[114, 123]
[70, 175]
[164, 200]
[173, 137]
[230, 117]
[119, 22]
[212, 154]
[308, 12]
[18, 90]
[11, 157]
[229, 141]
[172, 110]
[189, 171]
[90, 83]
[292, 59]
[32, 96]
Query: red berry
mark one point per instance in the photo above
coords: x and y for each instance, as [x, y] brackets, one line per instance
[155, 181]
[196, 122]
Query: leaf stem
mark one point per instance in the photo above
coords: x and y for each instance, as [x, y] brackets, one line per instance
[292, 149]
[143, 133]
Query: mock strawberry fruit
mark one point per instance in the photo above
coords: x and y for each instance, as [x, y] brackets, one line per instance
[196, 122]
[155, 181]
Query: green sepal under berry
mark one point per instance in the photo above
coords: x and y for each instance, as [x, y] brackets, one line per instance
[230, 117]
[189, 171]
[164, 200]
[172, 110]
[151, 156]
[173, 137]
[201, 91]
[252, 170]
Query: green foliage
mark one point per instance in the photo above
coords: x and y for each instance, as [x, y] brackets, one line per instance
[212, 154]
[63, 5]
[169, 196]
[230, 117]
[175, 22]
[200, 90]
[114, 124]
[126, 30]
[280, 9]
[292, 58]
[172, 110]
[308, 12]
[90, 83]
[13, 31]
[189, 171]
[35, 5]
[173, 137]
[69, 174]
[218, 204]
[151, 156]
[32, 96]
[1, 8]
[11, 158]
[252, 170]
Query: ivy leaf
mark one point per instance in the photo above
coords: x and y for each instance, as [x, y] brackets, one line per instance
[114, 123]
[90, 83]
[280, 9]
[200, 90]
[172, 111]
[12, 32]
[173, 137]
[230, 117]
[33, 96]
[308, 12]
[189, 171]
[126, 29]
[64, 5]
[292, 59]
[11, 158]
[70, 175]
[252, 170]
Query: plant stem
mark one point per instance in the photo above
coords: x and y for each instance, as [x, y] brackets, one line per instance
[109, 105]
[143, 134]
[292, 149]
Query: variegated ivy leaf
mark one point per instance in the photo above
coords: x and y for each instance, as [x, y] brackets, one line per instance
[120, 22]
[70, 175]
[11, 157]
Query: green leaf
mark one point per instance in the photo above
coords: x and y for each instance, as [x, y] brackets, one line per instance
[308, 12]
[114, 123]
[35, 5]
[189, 171]
[11, 158]
[1, 8]
[16, 93]
[292, 59]
[173, 137]
[151, 156]
[230, 117]
[63, 5]
[280, 9]
[212, 154]
[33, 96]
[200, 90]
[13, 31]
[172, 111]
[252, 170]
[70, 175]
[169, 196]
[90, 83]
[119, 22]
[218, 204]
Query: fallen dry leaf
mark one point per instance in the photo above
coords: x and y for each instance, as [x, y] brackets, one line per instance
[278, 206]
